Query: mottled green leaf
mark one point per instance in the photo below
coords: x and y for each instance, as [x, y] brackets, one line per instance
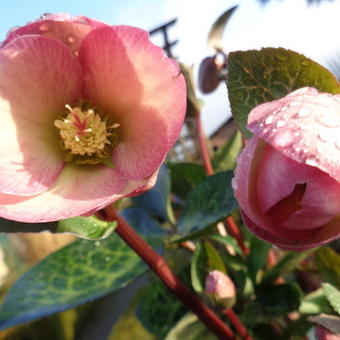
[286, 264]
[79, 272]
[87, 227]
[217, 29]
[333, 296]
[328, 262]
[209, 202]
[315, 303]
[158, 310]
[225, 157]
[184, 176]
[157, 200]
[190, 328]
[257, 257]
[229, 241]
[271, 302]
[255, 77]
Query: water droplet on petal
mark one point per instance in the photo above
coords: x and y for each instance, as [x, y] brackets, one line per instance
[269, 120]
[284, 139]
[71, 39]
[280, 123]
[234, 184]
[329, 120]
[44, 27]
[337, 143]
[294, 104]
[311, 162]
[324, 136]
[304, 112]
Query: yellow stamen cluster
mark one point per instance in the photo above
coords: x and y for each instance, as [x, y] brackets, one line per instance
[86, 136]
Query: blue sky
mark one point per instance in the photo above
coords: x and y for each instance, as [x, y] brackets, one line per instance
[286, 23]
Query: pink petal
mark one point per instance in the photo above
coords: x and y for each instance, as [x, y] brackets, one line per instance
[277, 177]
[303, 126]
[296, 240]
[63, 27]
[79, 190]
[122, 77]
[38, 76]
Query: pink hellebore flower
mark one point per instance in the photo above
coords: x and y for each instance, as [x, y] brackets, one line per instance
[88, 112]
[287, 177]
[322, 333]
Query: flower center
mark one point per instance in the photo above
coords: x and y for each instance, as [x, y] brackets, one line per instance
[86, 135]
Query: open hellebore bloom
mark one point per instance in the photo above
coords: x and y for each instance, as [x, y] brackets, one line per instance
[88, 112]
[287, 177]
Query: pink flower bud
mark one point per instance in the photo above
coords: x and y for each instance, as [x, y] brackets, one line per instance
[287, 177]
[209, 74]
[322, 333]
[88, 112]
[221, 288]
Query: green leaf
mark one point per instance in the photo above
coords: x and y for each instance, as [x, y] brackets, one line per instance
[271, 302]
[209, 202]
[285, 265]
[157, 200]
[229, 241]
[184, 176]
[257, 257]
[315, 303]
[226, 155]
[190, 328]
[217, 29]
[328, 262]
[333, 296]
[255, 77]
[87, 227]
[79, 272]
[206, 258]
[158, 310]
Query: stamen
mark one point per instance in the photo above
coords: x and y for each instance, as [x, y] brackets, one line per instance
[86, 135]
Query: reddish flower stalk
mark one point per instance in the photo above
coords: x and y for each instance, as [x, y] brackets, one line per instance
[237, 324]
[234, 230]
[163, 271]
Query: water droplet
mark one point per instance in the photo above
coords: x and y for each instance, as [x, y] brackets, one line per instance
[97, 243]
[324, 136]
[234, 184]
[44, 27]
[337, 143]
[71, 39]
[280, 123]
[269, 120]
[107, 258]
[304, 112]
[284, 108]
[329, 120]
[311, 162]
[284, 139]
[294, 104]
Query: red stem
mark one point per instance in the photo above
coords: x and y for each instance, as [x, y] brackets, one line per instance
[233, 228]
[163, 271]
[237, 324]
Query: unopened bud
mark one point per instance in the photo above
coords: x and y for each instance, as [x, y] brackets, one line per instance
[219, 286]
[322, 333]
[209, 74]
